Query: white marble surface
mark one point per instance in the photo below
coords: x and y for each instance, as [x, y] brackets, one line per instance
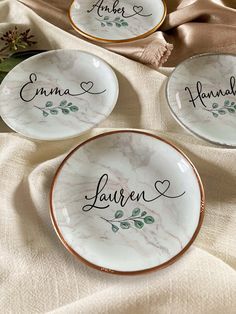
[202, 96]
[116, 19]
[132, 162]
[79, 91]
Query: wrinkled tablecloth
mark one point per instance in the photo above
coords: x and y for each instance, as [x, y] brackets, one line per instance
[38, 275]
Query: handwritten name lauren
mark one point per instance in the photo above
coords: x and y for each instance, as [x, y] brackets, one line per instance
[118, 197]
[115, 9]
[201, 95]
[43, 91]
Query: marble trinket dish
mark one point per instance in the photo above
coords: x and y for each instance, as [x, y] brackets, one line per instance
[127, 202]
[201, 93]
[58, 94]
[117, 20]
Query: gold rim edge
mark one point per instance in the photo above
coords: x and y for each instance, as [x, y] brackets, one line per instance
[103, 40]
[139, 272]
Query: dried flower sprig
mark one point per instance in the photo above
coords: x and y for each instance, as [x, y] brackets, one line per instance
[14, 41]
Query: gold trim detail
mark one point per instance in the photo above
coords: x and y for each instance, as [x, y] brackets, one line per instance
[103, 40]
[110, 271]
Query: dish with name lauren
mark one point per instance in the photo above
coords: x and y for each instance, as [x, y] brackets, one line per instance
[127, 202]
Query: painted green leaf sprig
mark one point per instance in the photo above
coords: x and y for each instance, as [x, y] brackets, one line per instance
[117, 21]
[217, 110]
[64, 108]
[138, 219]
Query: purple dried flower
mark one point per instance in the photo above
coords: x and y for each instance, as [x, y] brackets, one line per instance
[13, 41]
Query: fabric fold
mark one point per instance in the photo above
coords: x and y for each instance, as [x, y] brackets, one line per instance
[153, 50]
[191, 27]
[37, 274]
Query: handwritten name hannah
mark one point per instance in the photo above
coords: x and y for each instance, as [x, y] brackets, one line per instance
[202, 95]
[119, 197]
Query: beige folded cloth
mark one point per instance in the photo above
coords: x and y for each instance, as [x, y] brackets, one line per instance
[37, 274]
[191, 27]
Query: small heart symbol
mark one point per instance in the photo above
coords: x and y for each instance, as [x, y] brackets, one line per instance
[137, 9]
[162, 186]
[87, 86]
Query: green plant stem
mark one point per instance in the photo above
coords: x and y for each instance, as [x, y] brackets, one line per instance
[42, 109]
[217, 109]
[214, 109]
[107, 221]
[51, 108]
[131, 218]
[113, 21]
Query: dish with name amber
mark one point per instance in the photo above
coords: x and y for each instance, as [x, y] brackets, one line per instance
[116, 20]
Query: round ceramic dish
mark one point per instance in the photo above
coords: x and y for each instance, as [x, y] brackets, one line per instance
[126, 202]
[116, 20]
[201, 93]
[58, 94]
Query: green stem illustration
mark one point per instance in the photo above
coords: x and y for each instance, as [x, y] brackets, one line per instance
[64, 108]
[217, 110]
[117, 21]
[127, 219]
[138, 219]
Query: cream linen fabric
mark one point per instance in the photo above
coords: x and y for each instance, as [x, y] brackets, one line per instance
[37, 275]
[191, 26]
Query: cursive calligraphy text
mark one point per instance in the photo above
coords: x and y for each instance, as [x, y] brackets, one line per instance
[115, 9]
[118, 197]
[202, 95]
[86, 87]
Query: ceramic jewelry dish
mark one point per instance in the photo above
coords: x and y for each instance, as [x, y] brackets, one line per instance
[117, 20]
[201, 93]
[127, 202]
[58, 94]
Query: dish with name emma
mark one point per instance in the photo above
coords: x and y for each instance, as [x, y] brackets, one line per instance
[58, 94]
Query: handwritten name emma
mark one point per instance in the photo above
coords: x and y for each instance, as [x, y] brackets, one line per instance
[119, 197]
[202, 95]
[29, 90]
[100, 8]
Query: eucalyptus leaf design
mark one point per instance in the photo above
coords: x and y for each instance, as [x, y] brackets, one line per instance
[119, 214]
[136, 212]
[115, 228]
[149, 220]
[217, 110]
[117, 21]
[64, 107]
[138, 219]
[125, 225]
[138, 224]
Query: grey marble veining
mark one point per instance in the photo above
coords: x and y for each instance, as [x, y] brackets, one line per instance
[58, 94]
[202, 96]
[116, 19]
[127, 234]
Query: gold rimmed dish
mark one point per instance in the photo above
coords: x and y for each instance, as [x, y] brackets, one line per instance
[114, 21]
[127, 202]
